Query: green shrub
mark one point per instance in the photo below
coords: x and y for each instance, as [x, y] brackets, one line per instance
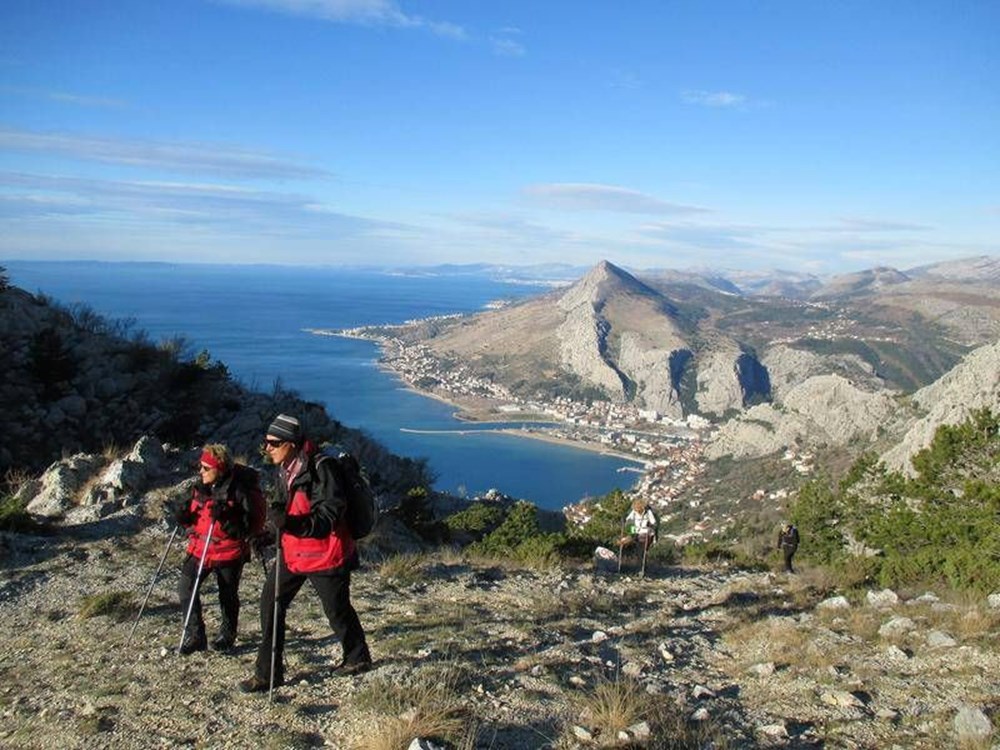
[607, 515]
[14, 517]
[938, 528]
[477, 520]
[520, 538]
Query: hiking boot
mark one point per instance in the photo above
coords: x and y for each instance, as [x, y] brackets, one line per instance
[357, 667]
[257, 684]
[193, 642]
[223, 641]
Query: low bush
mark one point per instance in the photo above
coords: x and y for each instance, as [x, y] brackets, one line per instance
[935, 529]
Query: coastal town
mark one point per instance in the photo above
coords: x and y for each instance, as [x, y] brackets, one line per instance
[668, 452]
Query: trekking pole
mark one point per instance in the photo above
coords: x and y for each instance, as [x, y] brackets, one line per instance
[274, 621]
[621, 546]
[152, 583]
[645, 548]
[197, 583]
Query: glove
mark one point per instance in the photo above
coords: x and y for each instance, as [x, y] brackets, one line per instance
[259, 544]
[277, 517]
[183, 515]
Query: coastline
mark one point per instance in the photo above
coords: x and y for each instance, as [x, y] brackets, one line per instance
[579, 444]
[481, 416]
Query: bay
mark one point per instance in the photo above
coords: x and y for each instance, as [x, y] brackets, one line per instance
[254, 318]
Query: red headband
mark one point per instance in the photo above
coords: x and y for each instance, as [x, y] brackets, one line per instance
[209, 460]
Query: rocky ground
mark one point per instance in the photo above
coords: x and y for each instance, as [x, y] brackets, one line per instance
[474, 654]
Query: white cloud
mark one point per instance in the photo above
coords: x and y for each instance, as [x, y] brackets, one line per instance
[26, 196]
[879, 225]
[363, 12]
[507, 47]
[570, 196]
[200, 158]
[722, 99]
[65, 97]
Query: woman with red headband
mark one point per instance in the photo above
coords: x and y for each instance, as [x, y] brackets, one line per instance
[220, 505]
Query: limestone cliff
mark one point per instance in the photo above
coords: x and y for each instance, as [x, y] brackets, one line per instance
[973, 384]
[826, 409]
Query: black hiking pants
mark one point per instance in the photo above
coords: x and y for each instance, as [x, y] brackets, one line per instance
[334, 591]
[227, 576]
[788, 552]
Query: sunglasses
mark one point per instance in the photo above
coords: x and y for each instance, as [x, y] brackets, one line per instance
[203, 467]
[272, 443]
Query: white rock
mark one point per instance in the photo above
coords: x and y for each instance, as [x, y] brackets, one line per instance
[937, 639]
[993, 601]
[582, 733]
[841, 699]
[640, 731]
[599, 636]
[765, 669]
[700, 691]
[972, 724]
[896, 653]
[421, 744]
[896, 626]
[774, 730]
[834, 602]
[883, 598]
[700, 715]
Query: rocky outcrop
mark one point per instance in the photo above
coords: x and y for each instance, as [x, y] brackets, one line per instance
[788, 367]
[825, 409]
[973, 384]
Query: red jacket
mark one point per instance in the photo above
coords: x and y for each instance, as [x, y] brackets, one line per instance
[223, 547]
[316, 538]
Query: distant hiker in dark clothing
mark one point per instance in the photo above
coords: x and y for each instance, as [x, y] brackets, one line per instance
[219, 502]
[788, 542]
[314, 544]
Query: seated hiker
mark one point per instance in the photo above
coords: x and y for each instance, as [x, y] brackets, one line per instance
[788, 542]
[641, 525]
[221, 504]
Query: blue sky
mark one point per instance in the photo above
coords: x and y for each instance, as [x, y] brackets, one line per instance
[812, 136]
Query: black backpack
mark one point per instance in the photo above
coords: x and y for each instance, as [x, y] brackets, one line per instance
[362, 502]
[248, 478]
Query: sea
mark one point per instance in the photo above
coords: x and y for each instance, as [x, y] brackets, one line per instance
[256, 319]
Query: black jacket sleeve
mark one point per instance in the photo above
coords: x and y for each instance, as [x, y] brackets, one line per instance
[326, 503]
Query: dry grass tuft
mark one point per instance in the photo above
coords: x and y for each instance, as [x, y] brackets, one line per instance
[403, 569]
[118, 605]
[613, 706]
[428, 705]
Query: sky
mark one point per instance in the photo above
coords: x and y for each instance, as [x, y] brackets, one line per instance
[805, 135]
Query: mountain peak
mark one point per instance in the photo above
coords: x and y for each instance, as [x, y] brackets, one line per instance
[601, 282]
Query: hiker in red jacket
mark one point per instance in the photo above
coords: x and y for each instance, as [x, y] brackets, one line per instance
[221, 503]
[314, 544]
